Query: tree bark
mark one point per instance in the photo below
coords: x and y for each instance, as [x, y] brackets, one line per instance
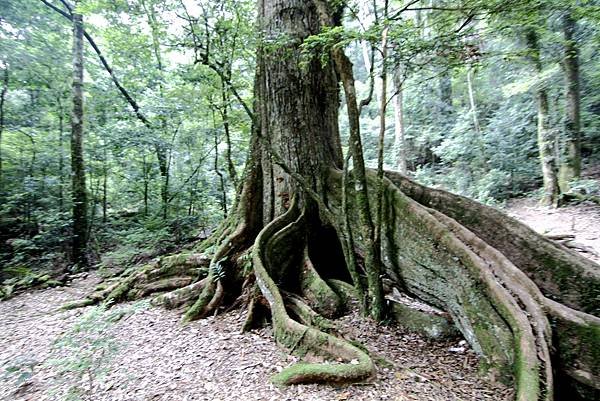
[399, 139]
[61, 155]
[79, 240]
[570, 166]
[545, 137]
[475, 117]
[2, 110]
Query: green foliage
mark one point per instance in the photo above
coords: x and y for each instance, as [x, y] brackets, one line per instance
[167, 203]
[320, 45]
[217, 270]
[155, 185]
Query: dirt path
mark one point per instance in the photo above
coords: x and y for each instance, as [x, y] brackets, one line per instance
[580, 220]
[157, 358]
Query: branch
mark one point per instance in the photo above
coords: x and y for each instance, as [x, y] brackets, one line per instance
[403, 9]
[229, 85]
[202, 158]
[126, 95]
[364, 102]
[464, 24]
[204, 60]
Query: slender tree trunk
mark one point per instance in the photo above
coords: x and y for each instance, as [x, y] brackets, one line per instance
[104, 183]
[475, 117]
[93, 192]
[28, 177]
[472, 103]
[61, 155]
[79, 240]
[2, 103]
[160, 148]
[146, 174]
[446, 109]
[219, 173]
[373, 254]
[381, 142]
[226, 128]
[545, 136]
[367, 18]
[399, 139]
[570, 166]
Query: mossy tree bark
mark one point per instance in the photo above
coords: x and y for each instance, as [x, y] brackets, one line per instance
[545, 136]
[570, 166]
[286, 239]
[2, 100]
[80, 223]
[400, 143]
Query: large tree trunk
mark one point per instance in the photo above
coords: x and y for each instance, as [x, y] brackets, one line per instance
[498, 280]
[77, 167]
[570, 166]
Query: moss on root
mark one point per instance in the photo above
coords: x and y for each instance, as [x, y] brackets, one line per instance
[561, 274]
[501, 313]
[347, 292]
[499, 310]
[298, 338]
[167, 273]
[317, 292]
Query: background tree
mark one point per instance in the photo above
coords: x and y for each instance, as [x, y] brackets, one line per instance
[79, 190]
[570, 167]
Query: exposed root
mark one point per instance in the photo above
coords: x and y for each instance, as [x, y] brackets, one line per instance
[577, 343]
[307, 316]
[213, 291]
[522, 332]
[299, 338]
[347, 292]
[560, 273]
[576, 338]
[253, 315]
[200, 308]
[167, 284]
[168, 273]
[180, 296]
[317, 292]
[183, 264]
[531, 329]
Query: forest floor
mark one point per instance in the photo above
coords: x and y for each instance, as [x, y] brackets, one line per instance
[141, 353]
[138, 353]
[581, 221]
